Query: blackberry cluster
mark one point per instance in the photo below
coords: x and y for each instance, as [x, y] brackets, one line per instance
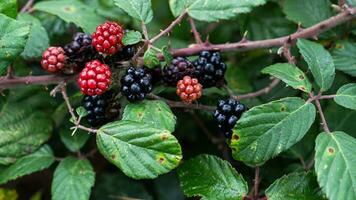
[156, 74]
[135, 84]
[96, 106]
[226, 115]
[80, 50]
[178, 68]
[126, 53]
[210, 69]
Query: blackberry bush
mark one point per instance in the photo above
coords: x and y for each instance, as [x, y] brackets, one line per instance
[64, 136]
[210, 69]
[135, 84]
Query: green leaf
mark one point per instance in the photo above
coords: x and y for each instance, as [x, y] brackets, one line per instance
[335, 165]
[307, 12]
[168, 57]
[177, 7]
[73, 142]
[319, 62]
[9, 8]
[346, 96]
[81, 111]
[214, 10]
[38, 40]
[150, 58]
[37, 161]
[295, 186]
[13, 37]
[139, 150]
[8, 194]
[266, 130]
[22, 132]
[132, 37]
[210, 177]
[155, 113]
[345, 58]
[290, 74]
[72, 11]
[73, 179]
[138, 9]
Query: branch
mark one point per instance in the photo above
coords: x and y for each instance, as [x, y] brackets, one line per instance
[178, 104]
[260, 92]
[310, 32]
[195, 31]
[169, 28]
[321, 113]
[27, 6]
[256, 181]
[34, 80]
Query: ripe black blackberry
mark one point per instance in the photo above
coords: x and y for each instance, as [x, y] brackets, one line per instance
[176, 70]
[135, 84]
[96, 107]
[226, 115]
[209, 69]
[80, 50]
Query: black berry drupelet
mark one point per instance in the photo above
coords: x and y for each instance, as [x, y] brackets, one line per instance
[226, 115]
[135, 84]
[210, 69]
[96, 106]
[156, 74]
[80, 50]
[176, 70]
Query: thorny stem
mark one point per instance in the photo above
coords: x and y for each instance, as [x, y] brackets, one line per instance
[169, 28]
[144, 31]
[256, 181]
[311, 32]
[27, 6]
[321, 113]
[195, 31]
[178, 104]
[260, 92]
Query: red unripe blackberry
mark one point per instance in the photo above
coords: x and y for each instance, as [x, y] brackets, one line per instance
[176, 70]
[189, 89]
[107, 38]
[53, 59]
[94, 78]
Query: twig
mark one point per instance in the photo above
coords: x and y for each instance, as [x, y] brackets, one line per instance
[327, 96]
[69, 106]
[144, 31]
[195, 31]
[321, 113]
[169, 28]
[311, 163]
[256, 181]
[90, 130]
[260, 92]
[34, 80]
[10, 72]
[27, 6]
[178, 104]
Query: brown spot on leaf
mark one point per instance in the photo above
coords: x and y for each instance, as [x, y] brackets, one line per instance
[113, 156]
[283, 109]
[301, 77]
[164, 136]
[160, 160]
[331, 150]
[69, 9]
[235, 137]
[139, 114]
[302, 88]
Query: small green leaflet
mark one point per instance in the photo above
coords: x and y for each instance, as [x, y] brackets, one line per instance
[290, 74]
[132, 37]
[344, 56]
[307, 12]
[346, 96]
[150, 58]
[138, 149]
[210, 177]
[213, 10]
[72, 11]
[9, 8]
[167, 55]
[13, 37]
[138, 9]
[156, 113]
[37, 161]
[38, 40]
[319, 62]
[335, 165]
[265, 131]
[300, 185]
[73, 179]
[81, 111]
